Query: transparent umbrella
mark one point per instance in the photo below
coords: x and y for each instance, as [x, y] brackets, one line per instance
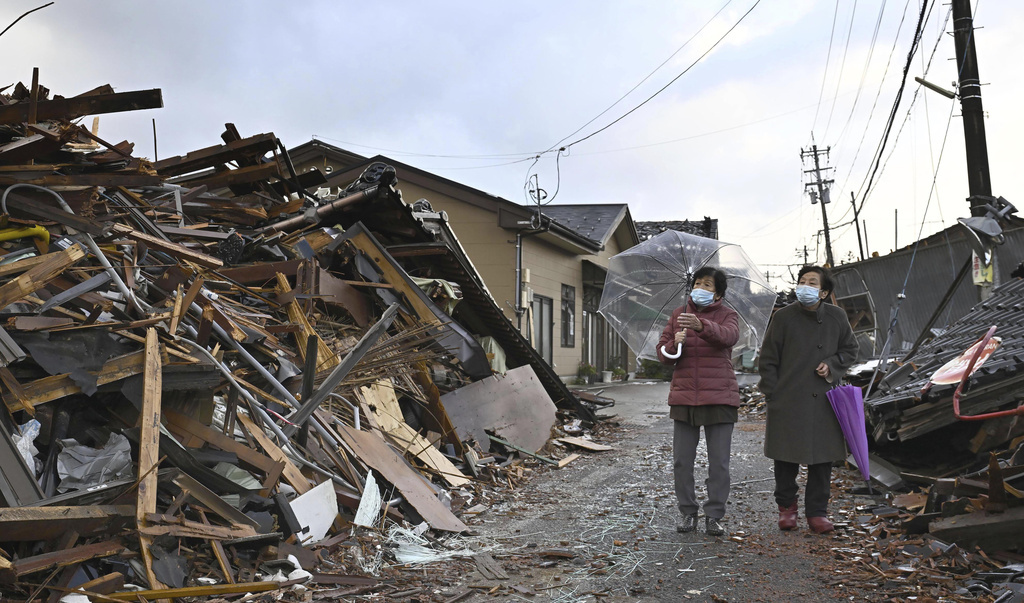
[647, 282]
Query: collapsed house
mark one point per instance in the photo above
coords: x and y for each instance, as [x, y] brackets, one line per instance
[958, 438]
[206, 369]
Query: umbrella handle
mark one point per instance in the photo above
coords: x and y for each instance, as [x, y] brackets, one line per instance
[679, 352]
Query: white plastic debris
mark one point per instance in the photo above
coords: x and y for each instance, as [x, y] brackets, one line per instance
[23, 439]
[411, 547]
[369, 505]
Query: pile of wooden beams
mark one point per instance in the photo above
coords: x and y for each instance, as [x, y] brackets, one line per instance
[206, 370]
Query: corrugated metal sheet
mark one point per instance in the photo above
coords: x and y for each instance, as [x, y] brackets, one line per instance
[903, 409]
[938, 259]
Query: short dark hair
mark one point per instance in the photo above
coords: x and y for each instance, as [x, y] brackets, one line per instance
[715, 273]
[827, 284]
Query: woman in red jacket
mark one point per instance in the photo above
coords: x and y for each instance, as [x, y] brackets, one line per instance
[704, 393]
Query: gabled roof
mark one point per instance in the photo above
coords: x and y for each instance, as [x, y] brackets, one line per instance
[351, 165]
[597, 222]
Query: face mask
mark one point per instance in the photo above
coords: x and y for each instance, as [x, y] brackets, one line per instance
[702, 297]
[807, 296]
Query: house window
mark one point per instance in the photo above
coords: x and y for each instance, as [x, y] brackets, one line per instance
[543, 326]
[568, 316]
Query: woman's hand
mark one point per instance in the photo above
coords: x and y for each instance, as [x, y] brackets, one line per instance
[689, 321]
[680, 336]
[822, 370]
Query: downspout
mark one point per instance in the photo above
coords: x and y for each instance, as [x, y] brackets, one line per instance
[535, 229]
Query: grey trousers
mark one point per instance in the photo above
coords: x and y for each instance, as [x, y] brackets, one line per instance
[684, 445]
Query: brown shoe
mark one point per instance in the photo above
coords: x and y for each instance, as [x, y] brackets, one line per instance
[787, 517]
[820, 525]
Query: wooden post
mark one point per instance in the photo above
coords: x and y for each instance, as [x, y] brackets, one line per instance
[149, 448]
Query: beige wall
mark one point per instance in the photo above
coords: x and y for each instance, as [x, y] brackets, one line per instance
[484, 241]
[551, 267]
[494, 257]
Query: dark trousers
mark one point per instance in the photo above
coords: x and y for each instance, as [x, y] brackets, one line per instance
[819, 484]
[719, 442]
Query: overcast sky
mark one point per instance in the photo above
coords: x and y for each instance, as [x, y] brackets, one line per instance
[473, 91]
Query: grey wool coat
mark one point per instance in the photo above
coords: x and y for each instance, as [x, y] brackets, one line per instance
[800, 424]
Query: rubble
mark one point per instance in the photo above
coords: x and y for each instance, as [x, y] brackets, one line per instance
[217, 383]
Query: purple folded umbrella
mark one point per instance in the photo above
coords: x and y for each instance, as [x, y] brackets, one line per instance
[848, 404]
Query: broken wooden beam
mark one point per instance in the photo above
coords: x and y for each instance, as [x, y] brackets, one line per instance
[21, 524]
[79, 106]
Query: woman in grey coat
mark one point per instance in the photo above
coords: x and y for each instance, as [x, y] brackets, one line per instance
[807, 349]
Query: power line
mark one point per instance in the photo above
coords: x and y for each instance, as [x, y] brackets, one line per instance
[842, 66]
[895, 107]
[828, 56]
[415, 154]
[867, 64]
[910, 108]
[630, 91]
[663, 88]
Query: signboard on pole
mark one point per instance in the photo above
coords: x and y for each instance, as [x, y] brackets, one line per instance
[981, 272]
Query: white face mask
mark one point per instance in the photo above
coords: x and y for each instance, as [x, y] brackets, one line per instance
[808, 296]
[701, 297]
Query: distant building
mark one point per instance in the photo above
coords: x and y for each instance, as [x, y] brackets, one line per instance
[869, 290]
[707, 228]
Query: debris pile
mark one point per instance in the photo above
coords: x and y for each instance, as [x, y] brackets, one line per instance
[211, 376]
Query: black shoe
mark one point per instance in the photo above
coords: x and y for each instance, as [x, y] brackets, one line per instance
[713, 527]
[689, 523]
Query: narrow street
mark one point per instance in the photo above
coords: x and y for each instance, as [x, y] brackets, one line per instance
[614, 513]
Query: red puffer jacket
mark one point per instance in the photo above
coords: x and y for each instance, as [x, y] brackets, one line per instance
[703, 374]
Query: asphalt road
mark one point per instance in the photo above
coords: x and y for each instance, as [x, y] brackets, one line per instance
[615, 514]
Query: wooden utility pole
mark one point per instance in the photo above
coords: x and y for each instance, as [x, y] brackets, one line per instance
[856, 222]
[821, 194]
[978, 180]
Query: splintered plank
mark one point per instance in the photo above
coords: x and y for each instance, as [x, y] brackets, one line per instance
[989, 531]
[19, 524]
[67, 557]
[374, 452]
[149, 449]
[243, 175]
[56, 387]
[79, 106]
[291, 473]
[257, 145]
[326, 358]
[195, 591]
[39, 275]
[179, 251]
[585, 444]
[381, 399]
[188, 427]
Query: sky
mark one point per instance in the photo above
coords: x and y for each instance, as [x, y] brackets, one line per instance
[708, 103]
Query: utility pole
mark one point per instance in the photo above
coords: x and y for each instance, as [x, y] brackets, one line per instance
[978, 180]
[856, 222]
[821, 194]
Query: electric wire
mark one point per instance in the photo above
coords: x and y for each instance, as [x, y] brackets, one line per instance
[842, 65]
[913, 256]
[828, 57]
[867, 66]
[919, 30]
[638, 84]
[910, 108]
[672, 81]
